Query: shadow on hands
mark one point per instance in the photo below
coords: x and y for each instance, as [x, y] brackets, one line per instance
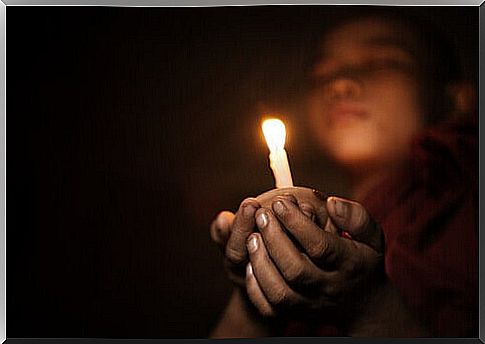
[230, 232]
[324, 271]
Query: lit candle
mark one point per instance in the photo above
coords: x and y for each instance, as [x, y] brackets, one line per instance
[275, 135]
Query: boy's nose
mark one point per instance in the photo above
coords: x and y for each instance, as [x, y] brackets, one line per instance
[345, 88]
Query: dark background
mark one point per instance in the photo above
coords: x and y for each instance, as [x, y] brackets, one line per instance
[128, 129]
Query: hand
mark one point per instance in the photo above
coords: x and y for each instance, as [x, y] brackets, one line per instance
[328, 270]
[230, 232]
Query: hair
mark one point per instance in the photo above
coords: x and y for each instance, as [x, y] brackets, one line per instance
[439, 64]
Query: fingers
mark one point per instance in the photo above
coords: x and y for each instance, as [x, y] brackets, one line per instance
[243, 225]
[353, 218]
[316, 212]
[235, 273]
[307, 209]
[220, 228]
[256, 295]
[286, 256]
[318, 244]
[269, 279]
[330, 227]
[321, 211]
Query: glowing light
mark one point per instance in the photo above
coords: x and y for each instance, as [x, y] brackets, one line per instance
[275, 133]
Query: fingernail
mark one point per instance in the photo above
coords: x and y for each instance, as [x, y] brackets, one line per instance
[248, 210]
[308, 211]
[262, 220]
[341, 207]
[320, 195]
[249, 269]
[252, 243]
[279, 207]
[290, 198]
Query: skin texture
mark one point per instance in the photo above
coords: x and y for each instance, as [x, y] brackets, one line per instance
[323, 270]
[284, 249]
[295, 260]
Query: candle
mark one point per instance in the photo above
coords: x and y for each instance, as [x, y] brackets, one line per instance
[275, 135]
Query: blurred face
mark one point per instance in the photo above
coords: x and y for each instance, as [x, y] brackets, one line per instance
[364, 103]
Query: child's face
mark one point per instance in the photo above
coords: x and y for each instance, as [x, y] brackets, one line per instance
[364, 103]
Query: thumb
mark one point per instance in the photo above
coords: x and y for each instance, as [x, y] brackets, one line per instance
[220, 228]
[353, 218]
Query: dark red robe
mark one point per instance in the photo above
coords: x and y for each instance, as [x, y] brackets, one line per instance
[429, 215]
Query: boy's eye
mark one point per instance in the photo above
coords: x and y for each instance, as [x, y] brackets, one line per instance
[387, 65]
[362, 72]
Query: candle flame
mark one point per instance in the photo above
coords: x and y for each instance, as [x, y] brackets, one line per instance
[275, 133]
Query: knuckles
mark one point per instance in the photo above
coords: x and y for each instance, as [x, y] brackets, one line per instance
[308, 210]
[249, 201]
[295, 272]
[235, 256]
[290, 216]
[319, 249]
[290, 197]
[278, 296]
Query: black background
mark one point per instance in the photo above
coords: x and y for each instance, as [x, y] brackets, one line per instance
[128, 129]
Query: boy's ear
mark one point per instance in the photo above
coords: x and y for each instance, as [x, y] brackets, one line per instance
[463, 97]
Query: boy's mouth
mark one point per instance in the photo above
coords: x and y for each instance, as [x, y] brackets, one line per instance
[345, 113]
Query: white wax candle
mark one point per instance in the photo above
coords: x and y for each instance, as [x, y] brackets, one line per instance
[275, 135]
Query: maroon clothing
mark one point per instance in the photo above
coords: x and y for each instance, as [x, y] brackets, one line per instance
[429, 216]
